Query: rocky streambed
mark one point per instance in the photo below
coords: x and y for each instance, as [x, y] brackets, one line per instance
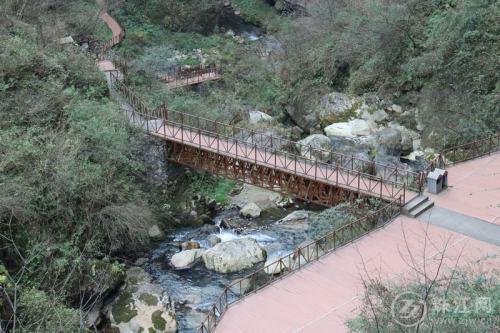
[212, 256]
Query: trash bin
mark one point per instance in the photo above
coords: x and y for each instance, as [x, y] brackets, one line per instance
[434, 182]
[444, 177]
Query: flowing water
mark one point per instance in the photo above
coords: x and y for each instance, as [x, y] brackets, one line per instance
[194, 290]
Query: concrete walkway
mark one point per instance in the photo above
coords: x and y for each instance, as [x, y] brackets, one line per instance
[463, 224]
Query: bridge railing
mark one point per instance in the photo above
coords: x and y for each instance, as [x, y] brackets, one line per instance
[179, 76]
[226, 139]
[296, 260]
[398, 176]
[190, 129]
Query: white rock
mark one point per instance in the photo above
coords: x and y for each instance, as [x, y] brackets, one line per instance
[396, 108]
[186, 259]
[255, 117]
[234, 255]
[360, 127]
[413, 155]
[263, 198]
[141, 306]
[250, 210]
[320, 144]
[356, 127]
[339, 129]
[297, 215]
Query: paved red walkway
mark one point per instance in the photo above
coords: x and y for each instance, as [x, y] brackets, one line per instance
[474, 189]
[322, 296]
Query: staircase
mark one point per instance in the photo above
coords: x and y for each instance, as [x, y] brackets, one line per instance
[417, 206]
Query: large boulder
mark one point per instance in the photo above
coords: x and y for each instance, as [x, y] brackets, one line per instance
[186, 259]
[336, 106]
[339, 129]
[305, 119]
[250, 210]
[389, 142]
[320, 145]
[142, 306]
[410, 140]
[234, 255]
[353, 128]
[255, 117]
[263, 198]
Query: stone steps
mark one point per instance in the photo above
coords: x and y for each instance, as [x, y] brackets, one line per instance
[417, 206]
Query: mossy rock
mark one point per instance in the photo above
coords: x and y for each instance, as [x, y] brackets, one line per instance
[158, 321]
[148, 299]
[123, 310]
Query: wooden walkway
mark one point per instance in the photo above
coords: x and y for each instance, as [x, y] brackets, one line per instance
[176, 81]
[322, 296]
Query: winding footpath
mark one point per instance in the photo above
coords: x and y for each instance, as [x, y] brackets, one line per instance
[464, 224]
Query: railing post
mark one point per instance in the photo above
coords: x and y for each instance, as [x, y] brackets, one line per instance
[295, 164]
[255, 152]
[315, 169]
[182, 127]
[337, 174]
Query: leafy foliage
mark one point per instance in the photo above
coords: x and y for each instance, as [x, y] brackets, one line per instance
[436, 55]
[452, 305]
[71, 173]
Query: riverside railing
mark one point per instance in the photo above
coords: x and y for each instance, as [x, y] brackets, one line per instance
[465, 152]
[296, 260]
[227, 140]
[180, 76]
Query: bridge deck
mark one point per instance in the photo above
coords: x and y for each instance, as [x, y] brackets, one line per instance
[348, 179]
[173, 82]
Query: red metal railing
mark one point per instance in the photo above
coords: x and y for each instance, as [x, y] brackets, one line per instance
[255, 147]
[464, 152]
[181, 76]
[295, 260]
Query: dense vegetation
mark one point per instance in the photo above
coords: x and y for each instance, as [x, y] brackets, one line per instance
[457, 301]
[437, 55]
[73, 195]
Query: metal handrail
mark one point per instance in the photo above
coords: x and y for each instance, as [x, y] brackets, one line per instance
[392, 175]
[296, 260]
[216, 136]
[179, 76]
[465, 152]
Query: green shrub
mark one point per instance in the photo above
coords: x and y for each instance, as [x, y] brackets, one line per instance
[41, 312]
